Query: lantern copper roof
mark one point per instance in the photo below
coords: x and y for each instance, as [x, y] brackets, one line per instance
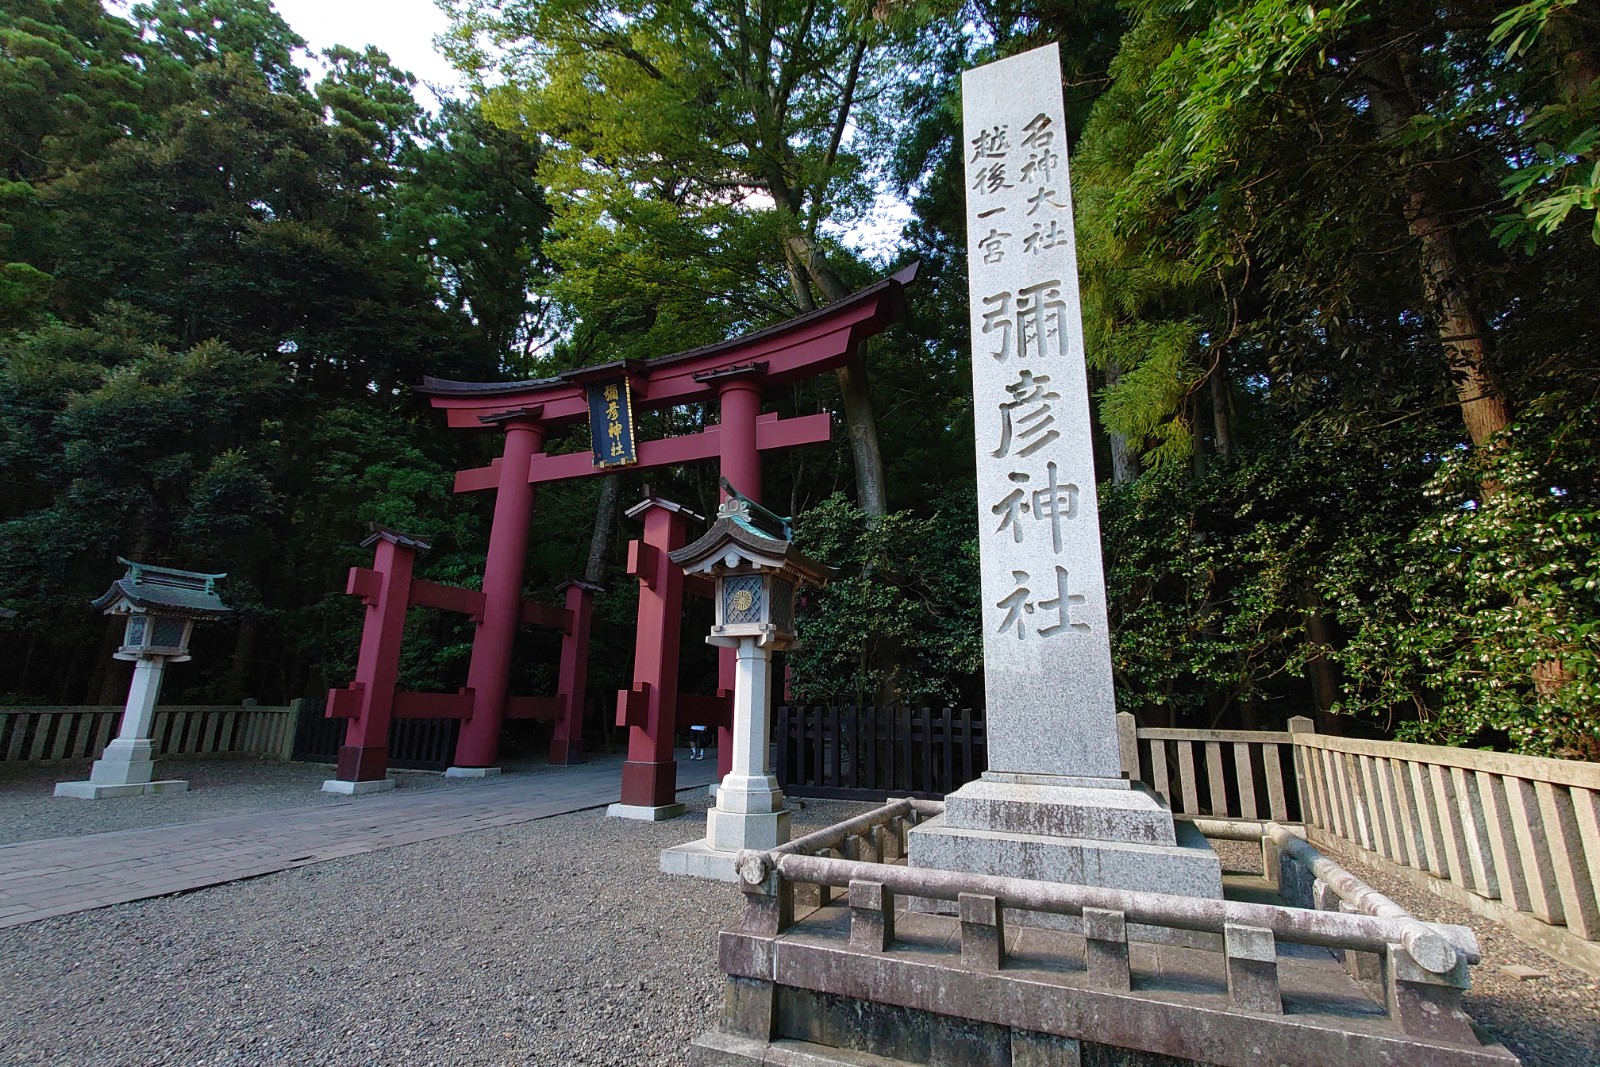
[163, 591]
[736, 529]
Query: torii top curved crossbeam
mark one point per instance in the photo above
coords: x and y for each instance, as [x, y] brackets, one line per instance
[802, 347]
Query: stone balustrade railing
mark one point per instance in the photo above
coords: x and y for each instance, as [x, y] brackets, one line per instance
[39, 734]
[1423, 970]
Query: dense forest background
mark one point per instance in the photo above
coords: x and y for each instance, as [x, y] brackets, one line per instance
[1340, 287]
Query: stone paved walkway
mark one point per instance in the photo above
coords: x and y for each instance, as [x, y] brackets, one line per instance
[60, 875]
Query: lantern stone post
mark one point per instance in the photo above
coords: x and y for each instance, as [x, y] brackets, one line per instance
[161, 605]
[739, 395]
[749, 554]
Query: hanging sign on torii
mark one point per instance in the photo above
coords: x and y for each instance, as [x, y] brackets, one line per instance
[611, 423]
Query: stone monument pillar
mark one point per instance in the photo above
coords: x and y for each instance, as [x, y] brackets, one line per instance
[1053, 804]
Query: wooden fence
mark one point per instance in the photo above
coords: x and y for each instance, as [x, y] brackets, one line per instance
[35, 735]
[414, 744]
[1514, 838]
[868, 753]
[1216, 774]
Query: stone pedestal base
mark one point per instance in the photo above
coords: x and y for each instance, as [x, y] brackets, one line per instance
[727, 834]
[92, 790]
[655, 813]
[471, 772]
[698, 859]
[732, 831]
[125, 762]
[125, 769]
[1115, 837]
[352, 789]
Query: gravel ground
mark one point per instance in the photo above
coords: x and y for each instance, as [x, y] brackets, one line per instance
[29, 809]
[1553, 1020]
[551, 942]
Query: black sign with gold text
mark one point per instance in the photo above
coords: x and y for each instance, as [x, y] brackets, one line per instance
[611, 424]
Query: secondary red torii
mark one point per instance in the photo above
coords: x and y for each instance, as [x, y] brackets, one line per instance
[733, 373]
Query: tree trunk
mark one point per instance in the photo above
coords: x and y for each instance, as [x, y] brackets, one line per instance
[1324, 672]
[1201, 447]
[854, 388]
[605, 520]
[1221, 415]
[237, 678]
[871, 490]
[1462, 331]
[1125, 465]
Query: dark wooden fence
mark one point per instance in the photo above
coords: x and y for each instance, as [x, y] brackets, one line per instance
[415, 744]
[854, 753]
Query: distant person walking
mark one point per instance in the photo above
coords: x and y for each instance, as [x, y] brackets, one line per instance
[697, 742]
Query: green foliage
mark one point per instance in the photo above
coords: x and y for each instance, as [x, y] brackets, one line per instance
[1484, 623]
[216, 287]
[475, 210]
[1211, 579]
[115, 444]
[1560, 170]
[1146, 404]
[683, 145]
[900, 622]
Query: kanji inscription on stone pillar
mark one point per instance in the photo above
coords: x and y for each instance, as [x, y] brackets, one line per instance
[1047, 654]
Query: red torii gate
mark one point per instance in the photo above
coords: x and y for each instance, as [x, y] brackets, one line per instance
[735, 374]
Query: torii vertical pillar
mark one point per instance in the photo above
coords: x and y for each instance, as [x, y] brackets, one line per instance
[566, 745]
[650, 709]
[739, 401]
[489, 672]
[364, 758]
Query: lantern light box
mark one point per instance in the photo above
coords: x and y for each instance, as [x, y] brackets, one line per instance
[161, 604]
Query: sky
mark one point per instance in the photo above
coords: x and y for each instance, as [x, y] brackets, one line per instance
[405, 29]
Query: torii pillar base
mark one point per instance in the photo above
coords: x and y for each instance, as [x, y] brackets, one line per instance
[356, 789]
[643, 813]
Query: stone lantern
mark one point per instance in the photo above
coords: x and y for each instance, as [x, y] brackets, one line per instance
[757, 571]
[161, 605]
